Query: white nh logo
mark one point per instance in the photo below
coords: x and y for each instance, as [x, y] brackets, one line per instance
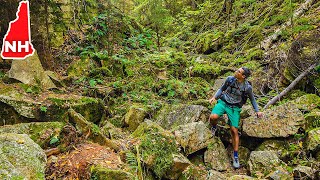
[13, 46]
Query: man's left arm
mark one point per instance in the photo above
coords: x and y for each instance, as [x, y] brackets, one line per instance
[254, 102]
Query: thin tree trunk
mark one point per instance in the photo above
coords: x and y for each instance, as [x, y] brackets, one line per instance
[158, 38]
[291, 86]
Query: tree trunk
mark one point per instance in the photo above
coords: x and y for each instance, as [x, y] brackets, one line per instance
[291, 86]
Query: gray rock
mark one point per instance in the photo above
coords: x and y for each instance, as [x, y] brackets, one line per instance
[30, 71]
[280, 121]
[21, 158]
[303, 172]
[218, 83]
[313, 140]
[241, 177]
[157, 147]
[192, 136]
[174, 115]
[39, 132]
[24, 105]
[280, 174]
[216, 157]
[263, 162]
[91, 130]
[180, 163]
[307, 102]
[244, 154]
[278, 146]
[19, 107]
[134, 117]
[215, 175]
[312, 119]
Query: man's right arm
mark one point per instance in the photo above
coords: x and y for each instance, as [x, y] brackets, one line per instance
[219, 92]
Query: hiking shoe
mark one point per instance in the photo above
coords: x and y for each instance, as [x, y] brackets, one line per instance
[213, 130]
[236, 163]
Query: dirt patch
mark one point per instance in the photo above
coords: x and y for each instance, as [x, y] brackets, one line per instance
[76, 163]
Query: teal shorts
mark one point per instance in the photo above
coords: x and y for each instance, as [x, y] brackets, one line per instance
[233, 113]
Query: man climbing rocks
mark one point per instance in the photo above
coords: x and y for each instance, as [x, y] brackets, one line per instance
[231, 96]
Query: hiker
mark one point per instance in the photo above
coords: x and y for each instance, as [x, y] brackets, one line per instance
[231, 96]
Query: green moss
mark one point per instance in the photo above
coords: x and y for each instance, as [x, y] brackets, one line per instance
[157, 147]
[100, 173]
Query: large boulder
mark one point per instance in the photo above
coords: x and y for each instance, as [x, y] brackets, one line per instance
[39, 132]
[21, 158]
[192, 136]
[174, 115]
[30, 71]
[313, 140]
[280, 121]
[158, 147]
[23, 105]
[134, 117]
[263, 162]
[16, 106]
[216, 157]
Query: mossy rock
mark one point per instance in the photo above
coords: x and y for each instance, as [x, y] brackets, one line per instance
[20, 157]
[79, 68]
[263, 162]
[46, 107]
[100, 173]
[157, 147]
[216, 157]
[307, 102]
[57, 106]
[135, 116]
[39, 132]
[171, 116]
[312, 119]
[278, 146]
[198, 172]
[313, 140]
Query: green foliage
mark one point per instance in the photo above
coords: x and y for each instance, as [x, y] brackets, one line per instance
[132, 161]
[30, 89]
[95, 129]
[139, 41]
[1, 74]
[43, 108]
[54, 140]
[159, 147]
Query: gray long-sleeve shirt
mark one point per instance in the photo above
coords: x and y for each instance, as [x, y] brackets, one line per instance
[232, 94]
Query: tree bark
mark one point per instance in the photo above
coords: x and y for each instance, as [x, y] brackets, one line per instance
[291, 86]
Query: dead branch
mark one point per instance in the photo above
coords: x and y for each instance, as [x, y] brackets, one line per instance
[291, 86]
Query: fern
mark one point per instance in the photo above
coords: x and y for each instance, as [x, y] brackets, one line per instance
[132, 161]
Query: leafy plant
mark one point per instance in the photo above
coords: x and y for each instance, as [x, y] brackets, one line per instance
[54, 140]
[43, 108]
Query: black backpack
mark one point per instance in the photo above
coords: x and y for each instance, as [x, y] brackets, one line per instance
[244, 94]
